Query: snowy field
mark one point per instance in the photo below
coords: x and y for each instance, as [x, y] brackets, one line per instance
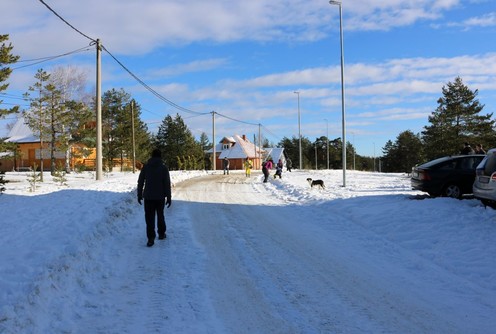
[242, 256]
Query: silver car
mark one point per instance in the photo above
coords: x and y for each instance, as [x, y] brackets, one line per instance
[484, 187]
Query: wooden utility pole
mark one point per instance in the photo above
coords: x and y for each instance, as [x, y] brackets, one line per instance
[134, 144]
[214, 156]
[99, 155]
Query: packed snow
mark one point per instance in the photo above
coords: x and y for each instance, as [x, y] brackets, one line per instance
[243, 256]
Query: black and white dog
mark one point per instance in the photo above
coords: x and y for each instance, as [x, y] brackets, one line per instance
[317, 183]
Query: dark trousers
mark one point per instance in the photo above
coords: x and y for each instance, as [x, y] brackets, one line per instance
[266, 174]
[152, 208]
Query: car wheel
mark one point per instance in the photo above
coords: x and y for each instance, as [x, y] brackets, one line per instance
[452, 190]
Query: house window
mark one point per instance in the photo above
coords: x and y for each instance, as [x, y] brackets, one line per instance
[225, 146]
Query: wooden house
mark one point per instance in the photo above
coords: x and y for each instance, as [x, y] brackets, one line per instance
[29, 152]
[237, 149]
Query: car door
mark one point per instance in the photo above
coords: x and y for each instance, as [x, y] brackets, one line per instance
[466, 172]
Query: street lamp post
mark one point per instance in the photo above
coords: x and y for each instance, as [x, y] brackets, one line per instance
[327, 140]
[338, 3]
[299, 130]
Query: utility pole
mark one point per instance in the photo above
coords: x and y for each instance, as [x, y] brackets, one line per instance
[316, 165]
[214, 156]
[134, 142]
[299, 132]
[98, 162]
[260, 144]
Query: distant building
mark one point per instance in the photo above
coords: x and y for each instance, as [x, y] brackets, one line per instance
[237, 149]
[28, 152]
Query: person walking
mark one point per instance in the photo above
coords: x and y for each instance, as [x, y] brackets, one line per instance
[225, 164]
[289, 164]
[154, 186]
[248, 167]
[265, 171]
[279, 167]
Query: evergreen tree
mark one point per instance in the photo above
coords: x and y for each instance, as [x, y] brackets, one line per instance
[142, 139]
[114, 129]
[6, 58]
[37, 115]
[118, 109]
[405, 153]
[205, 145]
[456, 120]
[51, 116]
[177, 143]
[291, 149]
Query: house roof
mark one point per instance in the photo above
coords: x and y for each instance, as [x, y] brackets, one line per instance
[241, 148]
[21, 133]
[275, 153]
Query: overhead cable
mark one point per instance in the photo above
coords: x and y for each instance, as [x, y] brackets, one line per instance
[70, 25]
[237, 120]
[154, 92]
[43, 59]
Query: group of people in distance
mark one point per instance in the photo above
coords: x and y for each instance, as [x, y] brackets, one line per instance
[267, 166]
[467, 149]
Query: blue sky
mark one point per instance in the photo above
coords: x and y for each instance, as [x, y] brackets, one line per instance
[245, 60]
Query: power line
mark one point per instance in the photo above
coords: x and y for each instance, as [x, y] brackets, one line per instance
[237, 120]
[12, 96]
[43, 59]
[70, 25]
[154, 92]
[270, 132]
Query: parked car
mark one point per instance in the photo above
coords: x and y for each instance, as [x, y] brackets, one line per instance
[484, 187]
[451, 176]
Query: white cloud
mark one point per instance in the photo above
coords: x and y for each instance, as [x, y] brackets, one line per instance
[194, 66]
[486, 20]
[133, 27]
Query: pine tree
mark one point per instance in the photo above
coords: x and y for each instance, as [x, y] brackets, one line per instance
[176, 142]
[37, 116]
[456, 120]
[405, 153]
[114, 112]
[205, 145]
[6, 58]
[142, 136]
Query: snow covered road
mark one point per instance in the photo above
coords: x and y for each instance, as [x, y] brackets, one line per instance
[272, 269]
[247, 257]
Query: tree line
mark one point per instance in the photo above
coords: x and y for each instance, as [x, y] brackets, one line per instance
[457, 120]
[61, 113]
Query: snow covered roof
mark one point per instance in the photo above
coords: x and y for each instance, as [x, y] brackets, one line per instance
[275, 153]
[241, 148]
[21, 133]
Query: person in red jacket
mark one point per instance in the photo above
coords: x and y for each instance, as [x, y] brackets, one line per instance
[154, 186]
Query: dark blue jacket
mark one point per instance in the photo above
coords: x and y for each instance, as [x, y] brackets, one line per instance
[155, 179]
